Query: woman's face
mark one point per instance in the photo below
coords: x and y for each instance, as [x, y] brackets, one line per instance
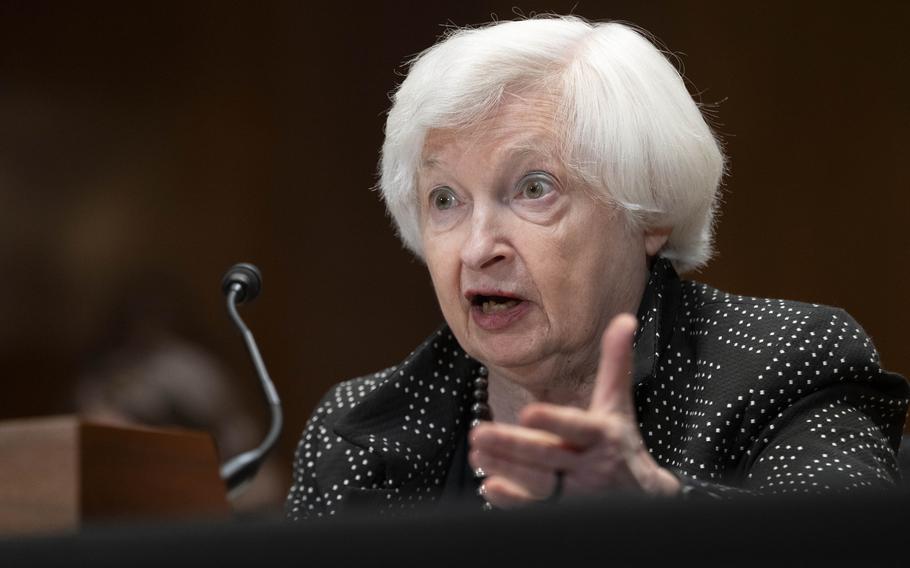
[527, 266]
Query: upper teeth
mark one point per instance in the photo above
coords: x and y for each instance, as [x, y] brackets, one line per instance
[494, 306]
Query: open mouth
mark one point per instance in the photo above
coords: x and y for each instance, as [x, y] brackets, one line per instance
[495, 310]
[494, 304]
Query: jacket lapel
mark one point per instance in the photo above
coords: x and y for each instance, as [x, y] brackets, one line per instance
[410, 423]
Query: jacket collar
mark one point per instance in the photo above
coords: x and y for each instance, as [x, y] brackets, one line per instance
[412, 419]
[657, 314]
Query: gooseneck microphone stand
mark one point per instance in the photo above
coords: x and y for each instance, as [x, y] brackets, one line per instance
[242, 283]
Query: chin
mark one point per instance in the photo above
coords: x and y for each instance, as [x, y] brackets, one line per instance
[507, 351]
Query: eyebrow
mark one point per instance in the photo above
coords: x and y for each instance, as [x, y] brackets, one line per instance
[429, 163]
[523, 149]
[526, 150]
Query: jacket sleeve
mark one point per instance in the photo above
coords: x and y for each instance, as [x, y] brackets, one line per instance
[841, 434]
[305, 500]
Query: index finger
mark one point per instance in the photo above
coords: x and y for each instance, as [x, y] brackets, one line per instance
[613, 385]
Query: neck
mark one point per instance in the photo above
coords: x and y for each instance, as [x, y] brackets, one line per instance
[508, 397]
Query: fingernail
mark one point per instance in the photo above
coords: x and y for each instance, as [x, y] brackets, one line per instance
[479, 473]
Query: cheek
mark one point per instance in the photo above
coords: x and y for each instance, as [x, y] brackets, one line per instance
[552, 258]
[581, 266]
[442, 263]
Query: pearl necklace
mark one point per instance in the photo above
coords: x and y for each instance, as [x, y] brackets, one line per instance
[480, 410]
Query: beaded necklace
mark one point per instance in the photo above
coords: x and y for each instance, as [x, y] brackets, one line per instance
[480, 410]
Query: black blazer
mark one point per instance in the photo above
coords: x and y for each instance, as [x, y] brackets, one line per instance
[734, 395]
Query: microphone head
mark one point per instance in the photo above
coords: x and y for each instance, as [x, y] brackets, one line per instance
[249, 278]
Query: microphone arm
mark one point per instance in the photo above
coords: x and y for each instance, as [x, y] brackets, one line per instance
[242, 283]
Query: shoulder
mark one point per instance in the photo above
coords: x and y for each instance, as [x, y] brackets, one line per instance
[774, 327]
[374, 392]
[368, 432]
[700, 296]
[776, 354]
[319, 440]
[343, 397]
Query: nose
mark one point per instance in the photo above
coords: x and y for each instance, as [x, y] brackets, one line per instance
[486, 243]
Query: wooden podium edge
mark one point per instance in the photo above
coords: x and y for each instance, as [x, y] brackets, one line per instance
[58, 473]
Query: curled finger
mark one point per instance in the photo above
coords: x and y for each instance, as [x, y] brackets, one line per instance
[579, 428]
[524, 445]
[538, 483]
[504, 493]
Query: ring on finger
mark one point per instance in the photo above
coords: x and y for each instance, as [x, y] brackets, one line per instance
[558, 487]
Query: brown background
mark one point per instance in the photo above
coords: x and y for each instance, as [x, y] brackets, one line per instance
[161, 142]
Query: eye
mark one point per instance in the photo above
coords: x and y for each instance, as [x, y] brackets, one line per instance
[443, 198]
[535, 186]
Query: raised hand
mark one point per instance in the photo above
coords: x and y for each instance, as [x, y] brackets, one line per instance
[593, 450]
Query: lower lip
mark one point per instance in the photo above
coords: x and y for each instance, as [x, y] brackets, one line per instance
[501, 319]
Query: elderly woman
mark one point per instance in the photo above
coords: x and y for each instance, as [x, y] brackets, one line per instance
[555, 176]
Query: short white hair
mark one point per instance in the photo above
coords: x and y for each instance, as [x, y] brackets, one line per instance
[632, 131]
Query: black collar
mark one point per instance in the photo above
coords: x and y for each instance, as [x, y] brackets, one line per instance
[657, 315]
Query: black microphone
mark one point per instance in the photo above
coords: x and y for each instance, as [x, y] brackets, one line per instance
[242, 283]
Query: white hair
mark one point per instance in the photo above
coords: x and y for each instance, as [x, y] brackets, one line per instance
[632, 131]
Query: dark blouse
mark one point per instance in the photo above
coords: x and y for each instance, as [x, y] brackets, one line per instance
[733, 395]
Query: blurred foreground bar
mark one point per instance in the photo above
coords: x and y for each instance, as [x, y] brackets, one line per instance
[860, 530]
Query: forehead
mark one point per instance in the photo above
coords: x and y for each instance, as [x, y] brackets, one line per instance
[520, 124]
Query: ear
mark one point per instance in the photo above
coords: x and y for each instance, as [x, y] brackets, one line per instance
[655, 239]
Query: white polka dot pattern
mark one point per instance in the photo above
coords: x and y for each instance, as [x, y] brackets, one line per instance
[734, 395]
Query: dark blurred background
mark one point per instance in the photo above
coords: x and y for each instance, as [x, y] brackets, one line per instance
[145, 147]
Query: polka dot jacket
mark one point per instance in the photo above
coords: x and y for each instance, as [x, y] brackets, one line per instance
[735, 395]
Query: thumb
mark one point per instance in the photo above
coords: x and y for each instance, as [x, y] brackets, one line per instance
[613, 385]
